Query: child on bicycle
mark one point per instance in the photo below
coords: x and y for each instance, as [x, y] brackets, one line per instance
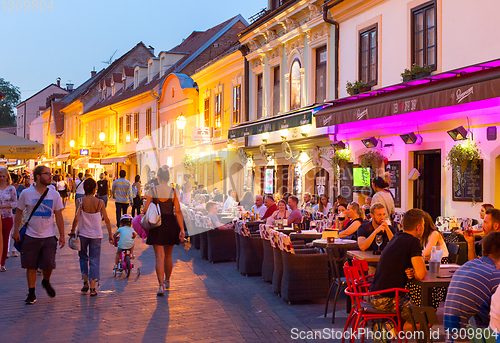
[126, 239]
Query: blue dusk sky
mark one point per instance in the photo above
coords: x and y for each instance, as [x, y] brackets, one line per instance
[72, 38]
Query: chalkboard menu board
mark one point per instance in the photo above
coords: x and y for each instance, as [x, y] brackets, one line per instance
[462, 183]
[394, 169]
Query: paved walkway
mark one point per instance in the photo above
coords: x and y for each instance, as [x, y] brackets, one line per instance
[206, 303]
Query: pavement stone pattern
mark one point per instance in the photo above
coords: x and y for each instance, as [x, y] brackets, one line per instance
[205, 303]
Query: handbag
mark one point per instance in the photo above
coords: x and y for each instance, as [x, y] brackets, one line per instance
[152, 217]
[74, 242]
[18, 245]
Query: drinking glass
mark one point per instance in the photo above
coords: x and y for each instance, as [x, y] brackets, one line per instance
[378, 240]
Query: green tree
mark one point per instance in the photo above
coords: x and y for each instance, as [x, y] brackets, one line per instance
[8, 104]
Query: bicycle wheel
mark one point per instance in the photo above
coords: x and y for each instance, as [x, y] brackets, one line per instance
[128, 265]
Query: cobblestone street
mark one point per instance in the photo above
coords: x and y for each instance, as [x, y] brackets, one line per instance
[206, 303]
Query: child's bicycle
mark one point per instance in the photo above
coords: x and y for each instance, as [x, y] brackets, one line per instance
[125, 264]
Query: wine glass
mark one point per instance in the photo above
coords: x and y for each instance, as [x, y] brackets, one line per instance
[378, 240]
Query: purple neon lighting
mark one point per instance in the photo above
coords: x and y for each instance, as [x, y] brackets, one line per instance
[443, 76]
[491, 64]
[393, 88]
[418, 82]
[468, 70]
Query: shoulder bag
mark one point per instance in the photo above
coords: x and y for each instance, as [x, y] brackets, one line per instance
[152, 217]
[22, 232]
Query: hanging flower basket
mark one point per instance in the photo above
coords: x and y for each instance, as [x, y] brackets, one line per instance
[340, 160]
[188, 162]
[372, 158]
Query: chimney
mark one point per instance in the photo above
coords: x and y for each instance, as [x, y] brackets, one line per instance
[58, 82]
[151, 49]
[92, 73]
[69, 87]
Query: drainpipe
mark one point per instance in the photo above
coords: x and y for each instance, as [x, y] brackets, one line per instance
[158, 131]
[326, 8]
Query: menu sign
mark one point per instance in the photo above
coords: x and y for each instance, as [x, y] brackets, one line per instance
[394, 169]
[463, 184]
[346, 182]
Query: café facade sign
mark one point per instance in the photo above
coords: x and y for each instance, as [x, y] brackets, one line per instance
[202, 134]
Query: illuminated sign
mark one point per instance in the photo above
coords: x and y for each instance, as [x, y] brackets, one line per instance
[84, 152]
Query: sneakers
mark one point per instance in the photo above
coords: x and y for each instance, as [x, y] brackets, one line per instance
[161, 289]
[166, 284]
[3, 269]
[31, 299]
[85, 287]
[48, 288]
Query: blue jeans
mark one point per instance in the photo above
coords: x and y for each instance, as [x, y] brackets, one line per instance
[105, 199]
[90, 256]
[78, 196]
[121, 208]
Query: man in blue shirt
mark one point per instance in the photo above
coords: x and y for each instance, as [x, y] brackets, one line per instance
[122, 192]
[471, 288]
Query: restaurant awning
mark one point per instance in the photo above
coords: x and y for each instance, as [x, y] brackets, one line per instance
[460, 86]
[287, 120]
[81, 162]
[117, 158]
[12, 146]
[62, 157]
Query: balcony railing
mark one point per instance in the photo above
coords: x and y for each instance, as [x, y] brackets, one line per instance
[263, 12]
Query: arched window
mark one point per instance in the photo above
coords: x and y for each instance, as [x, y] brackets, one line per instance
[295, 85]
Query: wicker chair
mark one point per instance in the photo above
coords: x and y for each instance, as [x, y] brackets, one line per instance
[305, 275]
[221, 245]
[278, 262]
[251, 255]
[204, 245]
[268, 255]
[237, 237]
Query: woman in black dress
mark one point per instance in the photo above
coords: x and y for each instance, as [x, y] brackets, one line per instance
[170, 232]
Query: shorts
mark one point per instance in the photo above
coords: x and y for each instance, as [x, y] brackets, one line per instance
[39, 253]
[388, 304]
[119, 250]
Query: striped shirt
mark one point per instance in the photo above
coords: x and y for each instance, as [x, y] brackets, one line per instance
[122, 191]
[470, 291]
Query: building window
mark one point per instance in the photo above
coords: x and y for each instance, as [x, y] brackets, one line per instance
[87, 140]
[128, 124]
[120, 130]
[295, 86]
[276, 90]
[321, 60]
[423, 29]
[236, 104]
[206, 112]
[163, 136]
[180, 137]
[171, 133]
[218, 115]
[368, 52]
[136, 126]
[260, 89]
[149, 120]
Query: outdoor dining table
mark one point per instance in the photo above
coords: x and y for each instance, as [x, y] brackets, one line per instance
[441, 279]
[323, 242]
[368, 256]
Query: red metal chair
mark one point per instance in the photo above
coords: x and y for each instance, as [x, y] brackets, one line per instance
[362, 266]
[362, 310]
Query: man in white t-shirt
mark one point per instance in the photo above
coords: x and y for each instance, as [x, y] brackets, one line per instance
[230, 201]
[259, 206]
[40, 241]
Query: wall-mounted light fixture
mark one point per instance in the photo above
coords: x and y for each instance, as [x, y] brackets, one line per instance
[458, 134]
[303, 157]
[284, 134]
[338, 145]
[265, 137]
[409, 138]
[102, 137]
[371, 142]
[181, 122]
[72, 143]
[306, 129]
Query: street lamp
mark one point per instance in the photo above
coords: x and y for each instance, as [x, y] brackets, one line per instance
[72, 143]
[181, 122]
[102, 136]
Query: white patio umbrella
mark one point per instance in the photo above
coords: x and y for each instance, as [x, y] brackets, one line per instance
[12, 146]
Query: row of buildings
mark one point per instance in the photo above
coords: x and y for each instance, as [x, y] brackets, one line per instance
[263, 105]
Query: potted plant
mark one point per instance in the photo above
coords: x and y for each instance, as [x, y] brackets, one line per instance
[372, 158]
[460, 156]
[407, 75]
[340, 160]
[188, 162]
[356, 87]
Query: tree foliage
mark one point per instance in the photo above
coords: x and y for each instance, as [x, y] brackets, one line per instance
[8, 104]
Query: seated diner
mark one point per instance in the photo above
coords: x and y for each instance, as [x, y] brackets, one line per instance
[376, 226]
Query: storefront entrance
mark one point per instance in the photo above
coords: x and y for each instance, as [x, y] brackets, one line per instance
[427, 188]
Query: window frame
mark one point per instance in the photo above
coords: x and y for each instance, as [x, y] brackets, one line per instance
[367, 30]
[136, 126]
[236, 110]
[276, 98]
[318, 51]
[206, 112]
[259, 113]
[120, 130]
[128, 127]
[296, 59]
[414, 11]
[149, 121]
[218, 115]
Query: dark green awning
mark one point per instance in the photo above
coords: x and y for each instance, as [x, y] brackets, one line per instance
[271, 124]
